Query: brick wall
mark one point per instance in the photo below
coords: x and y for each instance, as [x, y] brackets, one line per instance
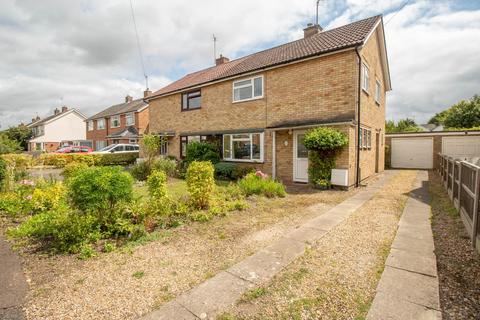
[372, 114]
[323, 89]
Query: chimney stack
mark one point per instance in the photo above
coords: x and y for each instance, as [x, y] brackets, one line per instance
[311, 30]
[37, 118]
[128, 98]
[64, 109]
[34, 119]
[147, 93]
[56, 111]
[221, 60]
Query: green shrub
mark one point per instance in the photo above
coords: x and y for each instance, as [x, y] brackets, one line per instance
[100, 188]
[141, 171]
[60, 228]
[72, 168]
[231, 171]
[12, 204]
[157, 184]
[224, 170]
[167, 165]
[47, 196]
[202, 151]
[256, 184]
[325, 139]
[117, 159]
[3, 172]
[323, 144]
[200, 183]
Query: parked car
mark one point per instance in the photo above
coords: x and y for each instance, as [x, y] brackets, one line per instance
[74, 149]
[119, 148]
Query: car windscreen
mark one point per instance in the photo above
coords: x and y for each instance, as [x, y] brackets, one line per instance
[107, 148]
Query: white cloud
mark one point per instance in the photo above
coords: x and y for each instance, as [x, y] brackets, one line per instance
[83, 53]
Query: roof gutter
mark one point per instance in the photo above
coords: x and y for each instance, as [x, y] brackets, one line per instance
[359, 93]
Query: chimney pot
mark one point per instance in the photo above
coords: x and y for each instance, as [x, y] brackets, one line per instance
[56, 111]
[37, 118]
[311, 30]
[221, 60]
[64, 109]
[147, 93]
[128, 98]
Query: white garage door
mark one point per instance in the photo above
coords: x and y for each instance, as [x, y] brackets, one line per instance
[415, 153]
[461, 147]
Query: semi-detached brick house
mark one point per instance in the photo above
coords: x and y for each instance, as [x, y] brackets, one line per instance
[258, 107]
[120, 123]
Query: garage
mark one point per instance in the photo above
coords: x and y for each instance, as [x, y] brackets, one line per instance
[461, 146]
[412, 153]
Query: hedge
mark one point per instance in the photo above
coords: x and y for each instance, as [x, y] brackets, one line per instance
[108, 159]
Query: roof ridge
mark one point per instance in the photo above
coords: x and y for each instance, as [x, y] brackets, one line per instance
[284, 44]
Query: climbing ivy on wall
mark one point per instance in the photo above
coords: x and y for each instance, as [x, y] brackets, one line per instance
[324, 145]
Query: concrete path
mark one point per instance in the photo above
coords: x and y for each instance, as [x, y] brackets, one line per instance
[408, 288]
[13, 286]
[216, 294]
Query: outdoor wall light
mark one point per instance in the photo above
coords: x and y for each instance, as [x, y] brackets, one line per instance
[285, 143]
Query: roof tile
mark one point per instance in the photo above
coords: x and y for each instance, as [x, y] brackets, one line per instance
[326, 41]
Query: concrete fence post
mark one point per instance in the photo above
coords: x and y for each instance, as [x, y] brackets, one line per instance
[475, 208]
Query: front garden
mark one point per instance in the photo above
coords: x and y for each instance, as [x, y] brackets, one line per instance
[118, 241]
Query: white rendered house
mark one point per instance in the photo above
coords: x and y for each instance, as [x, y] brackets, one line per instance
[50, 132]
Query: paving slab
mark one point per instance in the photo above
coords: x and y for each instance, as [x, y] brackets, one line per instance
[413, 261]
[408, 288]
[172, 310]
[214, 295]
[404, 242]
[387, 307]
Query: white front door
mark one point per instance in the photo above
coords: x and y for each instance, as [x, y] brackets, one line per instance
[300, 157]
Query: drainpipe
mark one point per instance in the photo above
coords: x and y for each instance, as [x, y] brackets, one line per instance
[357, 174]
[274, 159]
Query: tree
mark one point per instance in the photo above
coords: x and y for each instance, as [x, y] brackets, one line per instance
[21, 134]
[465, 114]
[8, 145]
[403, 125]
[439, 118]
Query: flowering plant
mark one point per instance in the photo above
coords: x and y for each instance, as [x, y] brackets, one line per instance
[260, 174]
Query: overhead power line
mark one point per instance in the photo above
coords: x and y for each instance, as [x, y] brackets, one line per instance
[138, 45]
[396, 12]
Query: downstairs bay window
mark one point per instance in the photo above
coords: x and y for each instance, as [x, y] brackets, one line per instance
[243, 147]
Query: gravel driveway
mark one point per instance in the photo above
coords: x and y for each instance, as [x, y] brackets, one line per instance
[337, 277]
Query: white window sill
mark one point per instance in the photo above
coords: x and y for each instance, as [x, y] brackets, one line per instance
[244, 161]
[246, 100]
[365, 91]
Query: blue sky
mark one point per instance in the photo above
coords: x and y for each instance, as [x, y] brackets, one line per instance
[83, 53]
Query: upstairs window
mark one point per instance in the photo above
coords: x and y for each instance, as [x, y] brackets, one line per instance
[100, 124]
[115, 122]
[377, 91]
[130, 119]
[90, 125]
[248, 89]
[365, 78]
[191, 100]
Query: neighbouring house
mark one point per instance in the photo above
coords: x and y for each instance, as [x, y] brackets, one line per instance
[120, 123]
[63, 125]
[257, 108]
[420, 150]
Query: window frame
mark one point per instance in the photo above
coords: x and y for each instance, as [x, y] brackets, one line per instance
[132, 114]
[188, 108]
[117, 116]
[378, 87]
[250, 140]
[104, 124]
[90, 126]
[365, 80]
[252, 84]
